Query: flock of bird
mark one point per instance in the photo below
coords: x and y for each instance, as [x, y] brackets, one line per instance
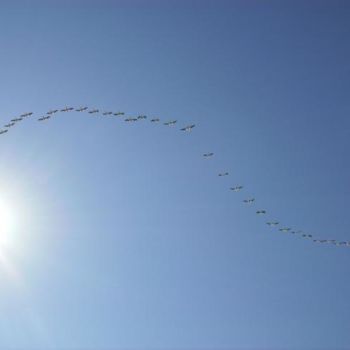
[237, 188]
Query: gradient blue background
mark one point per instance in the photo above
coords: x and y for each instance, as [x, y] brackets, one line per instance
[128, 239]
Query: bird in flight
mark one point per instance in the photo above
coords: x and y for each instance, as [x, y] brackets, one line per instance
[131, 119]
[67, 109]
[44, 118]
[249, 200]
[305, 235]
[236, 188]
[223, 174]
[326, 241]
[107, 113]
[142, 117]
[333, 241]
[170, 123]
[26, 114]
[81, 109]
[9, 125]
[285, 229]
[188, 127]
[272, 223]
[3, 131]
[52, 111]
[208, 155]
[16, 120]
[118, 113]
[94, 111]
[155, 120]
[261, 212]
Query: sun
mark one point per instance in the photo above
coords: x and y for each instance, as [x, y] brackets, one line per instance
[7, 223]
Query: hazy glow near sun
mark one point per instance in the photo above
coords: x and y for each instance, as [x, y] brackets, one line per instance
[7, 223]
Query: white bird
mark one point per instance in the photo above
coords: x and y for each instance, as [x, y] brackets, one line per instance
[188, 127]
[285, 229]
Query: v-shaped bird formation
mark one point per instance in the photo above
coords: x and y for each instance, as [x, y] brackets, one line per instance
[250, 201]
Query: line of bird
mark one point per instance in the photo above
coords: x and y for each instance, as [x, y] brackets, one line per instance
[237, 188]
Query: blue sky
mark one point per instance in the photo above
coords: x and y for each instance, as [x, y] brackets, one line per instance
[124, 236]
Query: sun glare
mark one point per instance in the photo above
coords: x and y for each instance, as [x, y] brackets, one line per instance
[7, 223]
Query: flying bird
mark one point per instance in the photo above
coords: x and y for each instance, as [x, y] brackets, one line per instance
[223, 174]
[285, 229]
[333, 241]
[261, 212]
[236, 188]
[155, 120]
[16, 120]
[170, 123]
[118, 113]
[142, 117]
[3, 131]
[52, 111]
[131, 119]
[107, 113]
[67, 109]
[44, 118]
[188, 127]
[249, 200]
[9, 125]
[94, 111]
[272, 223]
[26, 114]
[81, 109]
[325, 241]
[208, 155]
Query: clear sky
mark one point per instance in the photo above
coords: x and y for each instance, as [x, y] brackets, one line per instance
[118, 235]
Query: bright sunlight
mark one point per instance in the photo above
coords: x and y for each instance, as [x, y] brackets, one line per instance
[7, 223]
